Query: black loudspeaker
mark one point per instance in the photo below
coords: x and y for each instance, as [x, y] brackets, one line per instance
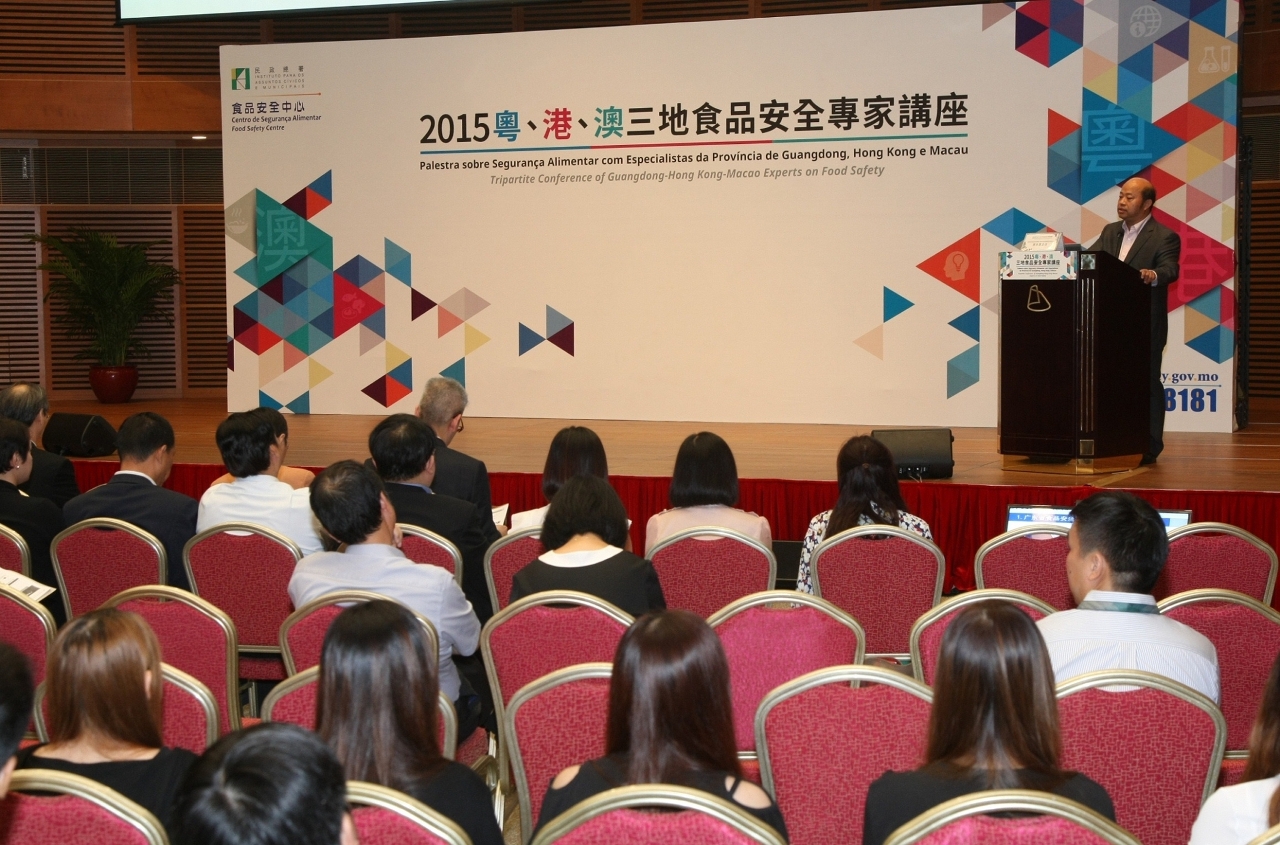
[79, 436]
[919, 452]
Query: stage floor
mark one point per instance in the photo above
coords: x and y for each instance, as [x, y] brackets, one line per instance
[1246, 460]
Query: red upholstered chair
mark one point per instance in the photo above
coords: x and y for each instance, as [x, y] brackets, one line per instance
[1214, 555]
[1131, 741]
[190, 714]
[824, 737]
[555, 722]
[1029, 560]
[618, 817]
[79, 811]
[1057, 820]
[244, 570]
[195, 637]
[926, 633]
[505, 558]
[15, 555]
[28, 626]
[293, 700]
[302, 632]
[704, 569]
[774, 637]
[883, 576]
[1246, 634]
[97, 558]
[423, 546]
[385, 817]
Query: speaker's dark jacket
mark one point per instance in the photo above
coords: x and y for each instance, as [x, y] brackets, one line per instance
[52, 477]
[462, 523]
[167, 514]
[1156, 248]
[38, 521]
[462, 477]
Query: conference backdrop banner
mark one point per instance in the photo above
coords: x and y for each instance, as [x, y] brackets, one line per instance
[775, 220]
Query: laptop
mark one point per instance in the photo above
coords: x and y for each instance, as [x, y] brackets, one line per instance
[1025, 516]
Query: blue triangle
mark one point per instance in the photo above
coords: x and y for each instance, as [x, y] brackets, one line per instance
[1209, 304]
[324, 186]
[556, 321]
[1012, 226]
[1068, 147]
[1060, 168]
[894, 304]
[292, 288]
[324, 322]
[1116, 143]
[398, 261]
[1217, 344]
[1061, 46]
[970, 323]
[403, 374]
[402, 271]
[962, 371]
[1214, 18]
[528, 338]
[301, 405]
[1220, 100]
[266, 401]
[457, 371]
[249, 271]
[377, 322]
[1068, 186]
[1140, 65]
[324, 288]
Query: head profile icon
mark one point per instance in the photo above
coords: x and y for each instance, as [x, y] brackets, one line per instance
[956, 266]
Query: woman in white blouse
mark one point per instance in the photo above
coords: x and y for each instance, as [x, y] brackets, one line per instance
[869, 495]
[575, 450]
[1234, 815]
[704, 490]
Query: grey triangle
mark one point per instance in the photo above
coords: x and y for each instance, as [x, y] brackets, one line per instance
[556, 321]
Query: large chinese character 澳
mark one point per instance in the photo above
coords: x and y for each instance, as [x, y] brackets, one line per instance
[559, 122]
[609, 122]
[286, 241]
[877, 112]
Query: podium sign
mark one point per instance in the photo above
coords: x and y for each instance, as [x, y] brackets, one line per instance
[1074, 364]
[1038, 265]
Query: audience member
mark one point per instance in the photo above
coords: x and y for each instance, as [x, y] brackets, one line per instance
[458, 475]
[1116, 549]
[670, 721]
[254, 455]
[295, 477]
[1235, 815]
[994, 724]
[704, 490]
[403, 449]
[272, 784]
[37, 520]
[575, 450]
[104, 706]
[586, 529]
[869, 495]
[135, 493]
[52, 476]
[16, 695]
[349, 501]
[377, 708]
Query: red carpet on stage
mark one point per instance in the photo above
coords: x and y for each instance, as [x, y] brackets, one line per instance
[962, 516]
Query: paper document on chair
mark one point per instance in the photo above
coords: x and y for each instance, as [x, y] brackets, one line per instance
[500, 514]
[33, 590]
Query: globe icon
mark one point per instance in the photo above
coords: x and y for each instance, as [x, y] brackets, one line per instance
[1144, 22]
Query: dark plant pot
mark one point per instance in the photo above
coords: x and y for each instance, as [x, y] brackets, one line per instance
[113, 385]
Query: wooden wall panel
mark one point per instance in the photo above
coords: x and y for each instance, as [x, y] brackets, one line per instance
[60, 37]
[20, 306]
[204, 294]
[1264, 300]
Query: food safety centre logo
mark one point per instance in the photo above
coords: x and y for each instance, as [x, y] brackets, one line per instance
[240, 79]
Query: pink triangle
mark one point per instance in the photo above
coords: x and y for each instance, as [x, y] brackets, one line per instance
[1198, 202]
[1227, 307]
[993, 13]
[448, 321]
[293, 356]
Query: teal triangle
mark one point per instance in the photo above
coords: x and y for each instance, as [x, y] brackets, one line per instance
[404, 374]
[1060, 167]
[528, 338]
[324, 186]
[266, 401]
[284, 239]
[324, 288]
[1220, 100]
[1060, 46]
[1068, 147]
[1209, 304]
[402, 271]
[249, 271]
[1129, 84]
[556, 321]
[894, 304]
[457, 371]
[397, 261]
[1012, 226]
[1139, 103]
[969, 323]
[1214, 18]
[962, 371]
[301, 405]
[1217, 344]
[1140, 65]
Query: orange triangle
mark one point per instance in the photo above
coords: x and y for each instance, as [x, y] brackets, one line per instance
[1198, 202]
[395, 391]
[959, 266]
[447, 320]
[1060, 127]
[293, 356]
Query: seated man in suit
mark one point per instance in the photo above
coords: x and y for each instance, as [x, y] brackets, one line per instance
[135, 495]
[254, 455]
[37, 520]
[458, 475]
[351, 503]
[403, 450]
[1116, 549]
[52, 476]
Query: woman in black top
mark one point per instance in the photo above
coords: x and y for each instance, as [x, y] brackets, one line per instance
[105, 707]
[670, 721]
[994, 724]
[586, 528]
[377, 708]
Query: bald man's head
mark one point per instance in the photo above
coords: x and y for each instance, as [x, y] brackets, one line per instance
[1137, 198]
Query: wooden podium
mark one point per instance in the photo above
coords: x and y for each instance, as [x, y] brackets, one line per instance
[1075, 380]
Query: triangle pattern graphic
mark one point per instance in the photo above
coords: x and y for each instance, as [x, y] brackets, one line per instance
[267, 402]
[457, 371]
[316, 373]
[894, 304]
[395, 356]
[873, 341]
[397, 261]
[473, 339]
[419, 304]
[369, 339]
[556, 321]
[528, 338]
[957, 266]
[301, 405]
[563, 339]
[447, 321]
[962, 371]
[969, 323]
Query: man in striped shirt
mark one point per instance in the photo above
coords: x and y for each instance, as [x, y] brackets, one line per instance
[1117, 548]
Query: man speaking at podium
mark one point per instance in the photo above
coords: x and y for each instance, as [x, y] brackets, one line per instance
[1152, 250]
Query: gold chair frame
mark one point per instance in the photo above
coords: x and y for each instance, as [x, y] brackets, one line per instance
[162, 577]
[342, 597]
[440, 540]
[24, 551]
[437, 824]
[65, 783]
[1239, 533]
[952, 605]
[1010, 801]
[1016, 534]
[501, 542]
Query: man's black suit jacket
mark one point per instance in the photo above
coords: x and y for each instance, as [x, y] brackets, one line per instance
[167, 514]
[38, 521]
[462, 477]
[52, 477]
[1156, 248]
[461, 523]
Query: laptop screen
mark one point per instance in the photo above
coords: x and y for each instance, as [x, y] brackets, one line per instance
[1025, 516]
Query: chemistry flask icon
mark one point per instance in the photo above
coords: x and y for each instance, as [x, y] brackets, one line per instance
[1036, 300]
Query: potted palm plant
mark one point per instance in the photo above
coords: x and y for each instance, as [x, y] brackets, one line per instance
[106, 291]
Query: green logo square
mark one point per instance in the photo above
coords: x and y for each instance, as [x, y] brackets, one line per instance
[240, 79]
